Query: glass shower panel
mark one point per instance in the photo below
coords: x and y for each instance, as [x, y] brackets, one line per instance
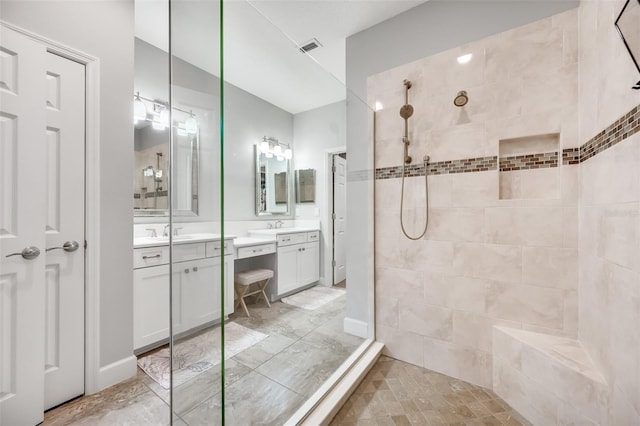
[199, 254]
[284, 115]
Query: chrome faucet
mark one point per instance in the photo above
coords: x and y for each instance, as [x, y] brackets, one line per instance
[279, 223]
[165, 231]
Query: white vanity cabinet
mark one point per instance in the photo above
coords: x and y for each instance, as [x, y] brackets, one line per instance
[297, 259]
[196, 293]
[298, 265]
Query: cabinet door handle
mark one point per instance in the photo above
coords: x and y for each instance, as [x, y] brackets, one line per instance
[186, 271]
[257, 250]
[195, 269]
[151, 257]
[303, 249]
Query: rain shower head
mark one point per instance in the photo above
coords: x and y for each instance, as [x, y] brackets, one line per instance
[461, 99]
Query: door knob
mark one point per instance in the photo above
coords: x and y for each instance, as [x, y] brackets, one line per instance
[69, 246]
[28, 253]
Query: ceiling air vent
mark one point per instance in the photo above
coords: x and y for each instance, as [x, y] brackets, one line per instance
[310, 45]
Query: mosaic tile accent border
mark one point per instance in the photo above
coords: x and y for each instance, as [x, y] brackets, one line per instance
[467, 165]
[619, 130]
[570, 156]
[529, 161]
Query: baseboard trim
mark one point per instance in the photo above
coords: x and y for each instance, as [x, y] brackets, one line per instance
[356, 327]
[116, 372]
[345, 382]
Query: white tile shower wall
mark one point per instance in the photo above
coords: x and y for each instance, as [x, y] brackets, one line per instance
[484, 261]
[609, 249]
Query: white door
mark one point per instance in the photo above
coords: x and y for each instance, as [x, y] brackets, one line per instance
[41, 208]
[22, 223]
[64, 271]
[339, 218]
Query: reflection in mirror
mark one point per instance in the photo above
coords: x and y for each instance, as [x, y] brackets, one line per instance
[305, 186]
[273, 172]
[151, 159]
[628, 25]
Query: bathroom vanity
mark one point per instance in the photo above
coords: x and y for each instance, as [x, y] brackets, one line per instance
[297, 259]
[197, 262]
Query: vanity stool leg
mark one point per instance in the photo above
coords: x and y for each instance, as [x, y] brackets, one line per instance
[240, 291]
[262, 287]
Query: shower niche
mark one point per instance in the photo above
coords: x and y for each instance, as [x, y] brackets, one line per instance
[528, 167]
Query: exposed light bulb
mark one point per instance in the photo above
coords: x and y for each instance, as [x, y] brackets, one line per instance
[465, 58]
[279, 157]
[165, 117]
[264, 147]
[139, 109]
[191, 125]
[288, 153]
[277, 150]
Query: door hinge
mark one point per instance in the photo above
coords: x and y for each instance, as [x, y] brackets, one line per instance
[85, 244]
[333, 168]
[333, 263]
[333, 216]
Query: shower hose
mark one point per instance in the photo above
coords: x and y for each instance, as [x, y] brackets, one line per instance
[426, 202]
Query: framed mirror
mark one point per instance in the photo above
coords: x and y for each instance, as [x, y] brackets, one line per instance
[273, 189]
[628, 26]
[305, 186]
[151, 164]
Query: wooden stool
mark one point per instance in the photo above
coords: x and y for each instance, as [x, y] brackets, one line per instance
[249, 283]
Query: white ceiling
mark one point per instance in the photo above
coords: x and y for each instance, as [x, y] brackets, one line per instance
[260, 39]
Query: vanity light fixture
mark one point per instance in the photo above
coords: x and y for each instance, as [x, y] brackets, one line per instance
[160, 117]
[272, 147]
[139, 109]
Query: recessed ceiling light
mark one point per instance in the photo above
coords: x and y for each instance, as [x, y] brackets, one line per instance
[465, 58]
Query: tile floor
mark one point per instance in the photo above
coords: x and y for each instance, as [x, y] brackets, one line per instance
[264, 384]
[397, 393]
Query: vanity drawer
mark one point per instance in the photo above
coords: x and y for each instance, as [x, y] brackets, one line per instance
[214, 248]
[185, 252]
[313, 236]
[151, 256]
[289, 239]
[257, 250]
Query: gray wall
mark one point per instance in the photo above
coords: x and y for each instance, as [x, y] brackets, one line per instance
[247, 119]
[103, 29]
[429, 28]
[315, 132]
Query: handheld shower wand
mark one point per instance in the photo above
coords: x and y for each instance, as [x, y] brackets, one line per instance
[406, 111]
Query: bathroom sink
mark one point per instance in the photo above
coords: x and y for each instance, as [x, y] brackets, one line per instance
[175, 238]
[276, 231]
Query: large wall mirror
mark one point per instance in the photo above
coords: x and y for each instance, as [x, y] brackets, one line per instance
[151, 163]
[273, 176]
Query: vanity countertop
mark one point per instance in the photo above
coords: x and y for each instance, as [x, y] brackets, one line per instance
[248, 241]
[273, 232]
[141, 242]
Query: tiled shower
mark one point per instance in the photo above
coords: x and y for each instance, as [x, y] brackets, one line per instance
[528, 279]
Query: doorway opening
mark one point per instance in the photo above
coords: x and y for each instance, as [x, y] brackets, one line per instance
[339, 218]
